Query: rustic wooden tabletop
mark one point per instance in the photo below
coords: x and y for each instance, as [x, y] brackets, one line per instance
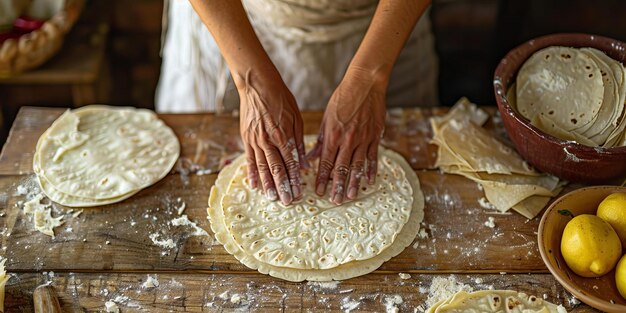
[106, 253]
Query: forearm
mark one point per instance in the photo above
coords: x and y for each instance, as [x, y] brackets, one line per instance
[389, 30]
[228, 23]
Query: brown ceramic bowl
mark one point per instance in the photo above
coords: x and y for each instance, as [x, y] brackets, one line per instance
[565, 159]
[596, 292]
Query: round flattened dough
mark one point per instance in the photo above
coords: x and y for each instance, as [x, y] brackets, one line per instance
[73, 201]
[561, 83]
[102, 152]
[341, 272]
[314, 233]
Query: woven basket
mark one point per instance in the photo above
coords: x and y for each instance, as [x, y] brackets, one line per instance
[35, 48]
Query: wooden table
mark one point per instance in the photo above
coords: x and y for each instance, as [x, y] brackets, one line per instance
[106, 254]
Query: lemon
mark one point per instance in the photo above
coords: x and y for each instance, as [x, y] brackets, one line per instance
[590, 246]
[613, 210]
[620, 276]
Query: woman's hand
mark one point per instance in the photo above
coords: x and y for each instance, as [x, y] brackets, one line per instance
[271, 129]
[351, 130]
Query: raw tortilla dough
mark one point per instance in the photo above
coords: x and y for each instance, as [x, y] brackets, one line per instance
[495, 301]
[315, 233]
[341, 271]
[98, 155]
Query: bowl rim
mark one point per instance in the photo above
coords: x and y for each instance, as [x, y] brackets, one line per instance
[590, 300]
[504, 104]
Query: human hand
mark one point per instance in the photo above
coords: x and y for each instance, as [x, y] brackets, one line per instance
[350, 133]
[271, 129]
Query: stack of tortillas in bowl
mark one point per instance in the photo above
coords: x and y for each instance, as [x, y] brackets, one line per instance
[573, 94]
[98, 155]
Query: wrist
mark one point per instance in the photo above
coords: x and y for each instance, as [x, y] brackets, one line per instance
[377, 77]
[256, 74]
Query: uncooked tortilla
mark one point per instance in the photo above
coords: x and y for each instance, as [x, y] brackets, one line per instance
[495, 301]
[342, 271]
[97, 155]
[314, 233]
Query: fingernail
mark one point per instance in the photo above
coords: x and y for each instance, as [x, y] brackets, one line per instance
[271, 194]
[321, 188]
[338, 198]
[352, 193]
[285, 193]
[285, 198]
[295, 189]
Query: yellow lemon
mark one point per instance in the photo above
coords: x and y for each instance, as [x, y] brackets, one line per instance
[620, 276]
[613, 210]
[590, 246]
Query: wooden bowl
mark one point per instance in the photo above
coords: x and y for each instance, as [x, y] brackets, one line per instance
[596, 292]
[566, 159]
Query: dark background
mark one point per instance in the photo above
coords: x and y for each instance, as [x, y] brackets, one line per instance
[471, 37]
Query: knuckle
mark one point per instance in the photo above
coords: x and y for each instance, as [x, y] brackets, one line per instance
[357, 166]
[326, 166]
[292, 165]
[263, 168]
[342, 171]
[277, 169]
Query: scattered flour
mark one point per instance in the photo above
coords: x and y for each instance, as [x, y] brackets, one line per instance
[442, 288]
[21, 190]
[238, 299]
[184, 221]
[328, 285]
[166, 244]
[224, 295]
[490, 222]
[392, 302]
[348, 305]
[150, 282]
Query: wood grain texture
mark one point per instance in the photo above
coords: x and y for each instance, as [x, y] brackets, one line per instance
[116, 237]
[106, 252]
[87, 292]
[208, 140]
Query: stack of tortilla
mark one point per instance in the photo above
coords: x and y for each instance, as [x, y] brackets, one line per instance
[98, 155]
[312, 238]
[466, 148]
[573, 94]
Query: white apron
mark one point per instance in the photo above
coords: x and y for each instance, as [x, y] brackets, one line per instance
[311, 42]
